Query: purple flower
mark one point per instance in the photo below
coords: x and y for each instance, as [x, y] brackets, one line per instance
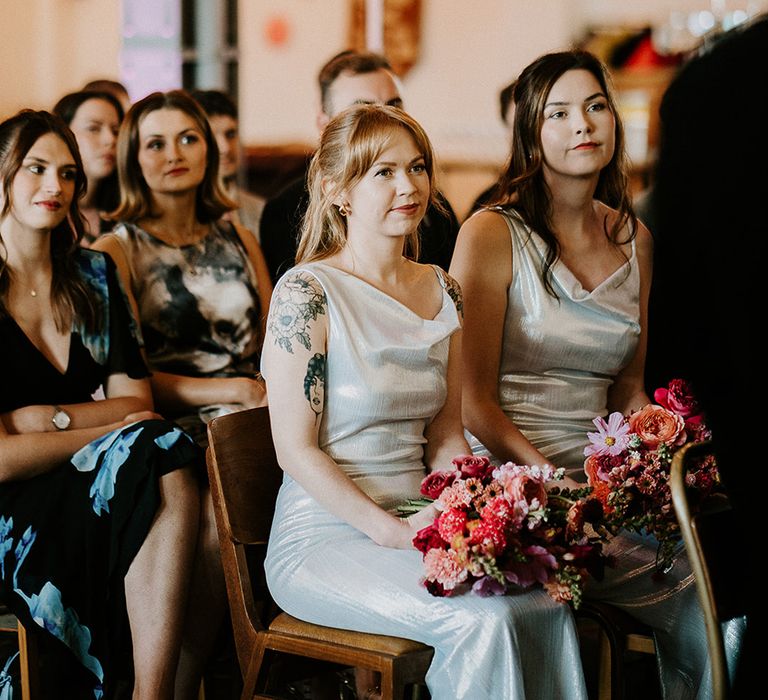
[537, 568]
[610, 438]
[488, 586]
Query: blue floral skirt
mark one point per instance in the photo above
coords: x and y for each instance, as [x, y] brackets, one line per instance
[67, 539]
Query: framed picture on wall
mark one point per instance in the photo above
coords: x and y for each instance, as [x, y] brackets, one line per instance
[389, 27]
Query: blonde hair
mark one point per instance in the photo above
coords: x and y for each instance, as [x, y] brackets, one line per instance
[349, 146]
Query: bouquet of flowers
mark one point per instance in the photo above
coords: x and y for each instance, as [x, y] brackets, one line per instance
[500, 528]
[628, 465]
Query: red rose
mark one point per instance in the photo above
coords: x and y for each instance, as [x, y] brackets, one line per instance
[428, 538]
[436, 482]
[592, 469]
[678, 398]
[436, 589]
[473, 467]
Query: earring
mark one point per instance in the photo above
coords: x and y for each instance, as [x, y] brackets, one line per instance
[344, 209]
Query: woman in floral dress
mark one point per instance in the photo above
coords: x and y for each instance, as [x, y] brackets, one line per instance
[99, 502]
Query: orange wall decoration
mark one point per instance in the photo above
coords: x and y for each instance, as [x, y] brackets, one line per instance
[400, 31]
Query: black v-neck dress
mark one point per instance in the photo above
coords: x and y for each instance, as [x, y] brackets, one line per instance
[68, 537]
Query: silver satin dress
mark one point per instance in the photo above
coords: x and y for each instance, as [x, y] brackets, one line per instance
[559, 358]
[386, 380]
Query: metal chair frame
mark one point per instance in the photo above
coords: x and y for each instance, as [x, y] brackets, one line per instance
[704, 533]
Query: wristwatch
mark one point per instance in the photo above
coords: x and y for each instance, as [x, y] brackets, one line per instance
[61, 419]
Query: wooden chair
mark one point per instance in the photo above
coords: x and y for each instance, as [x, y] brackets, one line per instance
[28, 657]
[710, 537]
[245, 477]
[620, 634]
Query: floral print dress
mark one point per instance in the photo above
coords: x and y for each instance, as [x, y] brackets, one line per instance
[199, 309]
[68, 536]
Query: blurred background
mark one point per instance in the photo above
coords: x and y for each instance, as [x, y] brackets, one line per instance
[453, 58]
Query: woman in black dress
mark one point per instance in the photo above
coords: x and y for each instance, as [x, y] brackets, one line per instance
[99, 503]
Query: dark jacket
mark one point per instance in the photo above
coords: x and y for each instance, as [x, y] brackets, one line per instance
[281, 228]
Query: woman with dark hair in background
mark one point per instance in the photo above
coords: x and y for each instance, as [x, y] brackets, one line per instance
[556, 281]
[94, 118]
[98, 512]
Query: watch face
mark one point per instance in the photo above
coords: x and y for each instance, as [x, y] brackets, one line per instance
[61, 419]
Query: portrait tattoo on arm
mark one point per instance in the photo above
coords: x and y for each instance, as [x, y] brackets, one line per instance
[297, 302]
[314, 383]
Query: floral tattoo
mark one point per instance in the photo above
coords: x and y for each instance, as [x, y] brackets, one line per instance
[297, 302]
[314, 382]
[454, 291]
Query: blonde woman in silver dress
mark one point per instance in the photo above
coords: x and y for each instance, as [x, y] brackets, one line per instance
[361, 360]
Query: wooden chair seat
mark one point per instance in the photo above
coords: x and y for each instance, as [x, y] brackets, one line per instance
[289, 626]
[245, 477]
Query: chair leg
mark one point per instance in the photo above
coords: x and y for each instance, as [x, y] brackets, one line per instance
[252, 673]
[388, 683]
[605, 670]
[28, 661]
[417, 691]
[396, 679]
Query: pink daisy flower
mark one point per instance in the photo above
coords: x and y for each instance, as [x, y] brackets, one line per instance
[610, 438]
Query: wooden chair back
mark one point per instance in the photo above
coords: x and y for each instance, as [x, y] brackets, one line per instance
[245, 477]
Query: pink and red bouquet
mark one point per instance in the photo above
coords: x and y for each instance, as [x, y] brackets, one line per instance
[503, 529]
[628, 465]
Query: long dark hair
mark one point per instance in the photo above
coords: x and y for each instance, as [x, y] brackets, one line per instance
[135, 200]
[523, 186]
[70, 295]
[107, 194]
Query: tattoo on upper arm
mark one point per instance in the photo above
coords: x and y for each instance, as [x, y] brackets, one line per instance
[314, 382]
[297, 302]
[454, 291]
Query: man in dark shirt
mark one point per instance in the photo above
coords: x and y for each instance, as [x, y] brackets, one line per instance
[707, 298]
[349, 78]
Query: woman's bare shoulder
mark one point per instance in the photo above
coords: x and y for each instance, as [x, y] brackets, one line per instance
[485, 229]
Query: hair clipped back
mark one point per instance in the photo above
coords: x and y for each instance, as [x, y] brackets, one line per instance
[68, 105]
[350, 145]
